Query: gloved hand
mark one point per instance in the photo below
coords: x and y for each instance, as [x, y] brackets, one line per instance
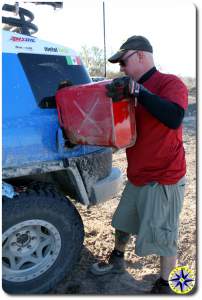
[122, 87]
[118, 88]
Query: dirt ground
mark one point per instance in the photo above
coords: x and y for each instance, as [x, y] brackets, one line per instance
[99, 235]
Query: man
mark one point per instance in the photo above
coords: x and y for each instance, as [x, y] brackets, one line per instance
[153, 196]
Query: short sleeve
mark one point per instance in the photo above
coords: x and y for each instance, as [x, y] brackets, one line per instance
[173, 89]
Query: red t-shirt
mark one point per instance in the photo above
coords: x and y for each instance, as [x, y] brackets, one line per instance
[158, 154]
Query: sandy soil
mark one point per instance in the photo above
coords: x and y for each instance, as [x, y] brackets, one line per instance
[99, 235]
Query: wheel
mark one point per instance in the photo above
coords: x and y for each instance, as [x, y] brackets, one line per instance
[42, 240]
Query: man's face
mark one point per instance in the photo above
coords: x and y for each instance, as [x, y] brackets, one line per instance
[130, 63]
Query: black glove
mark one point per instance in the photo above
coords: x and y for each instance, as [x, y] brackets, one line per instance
[118, 88]
[122, 87]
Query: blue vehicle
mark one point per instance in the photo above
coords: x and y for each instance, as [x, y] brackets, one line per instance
[42, 230]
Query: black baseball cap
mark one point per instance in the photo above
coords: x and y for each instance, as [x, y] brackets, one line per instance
[135, 42]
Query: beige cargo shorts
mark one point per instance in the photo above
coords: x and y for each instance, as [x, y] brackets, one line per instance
[151, 212]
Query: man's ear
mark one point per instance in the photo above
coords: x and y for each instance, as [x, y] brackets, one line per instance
[140, 55]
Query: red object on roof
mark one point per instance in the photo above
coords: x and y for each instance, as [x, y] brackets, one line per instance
[89, 117]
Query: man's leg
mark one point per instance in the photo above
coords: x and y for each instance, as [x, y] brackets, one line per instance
[161, 205]
[116, 262]
[126, 218]
[121, 240]
[167, 264]
[161, 286]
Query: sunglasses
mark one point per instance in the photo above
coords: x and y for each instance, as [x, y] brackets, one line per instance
[123, 62]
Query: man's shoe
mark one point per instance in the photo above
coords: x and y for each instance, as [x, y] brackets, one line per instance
[161, 288]
[115, 265]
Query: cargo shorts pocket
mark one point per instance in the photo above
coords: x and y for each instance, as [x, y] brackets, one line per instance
[164, 236]
[165, 223]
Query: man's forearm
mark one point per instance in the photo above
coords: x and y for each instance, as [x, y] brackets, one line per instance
[167, 112]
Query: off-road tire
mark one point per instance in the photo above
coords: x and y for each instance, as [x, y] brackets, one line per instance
[43, 202]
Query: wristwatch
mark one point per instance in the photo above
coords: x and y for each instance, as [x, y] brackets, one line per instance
[136, 89]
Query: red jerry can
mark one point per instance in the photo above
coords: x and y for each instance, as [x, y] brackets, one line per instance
[88, 116]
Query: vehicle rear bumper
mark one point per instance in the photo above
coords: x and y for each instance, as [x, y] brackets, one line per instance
[107, 188]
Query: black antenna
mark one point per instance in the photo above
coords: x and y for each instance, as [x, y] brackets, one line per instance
[105, 70]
